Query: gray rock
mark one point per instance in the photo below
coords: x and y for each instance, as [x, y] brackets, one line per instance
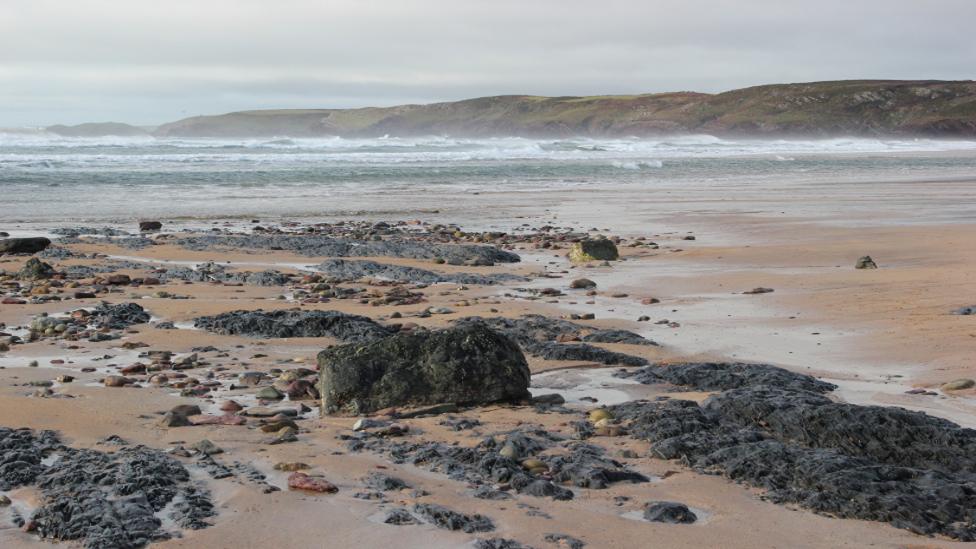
[865, 263]
[593, 249]
[295, 323]
[472, 364]
[23, 245]
[347, 269]
[442, 517]
[669, 512]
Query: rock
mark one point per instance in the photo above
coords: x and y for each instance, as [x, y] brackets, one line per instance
[799, 446]
[442, 517]
[224, 419]
[599, 414]
[965, 311]
[262, 411]
[207, 448]
[295, 323]
[327, 246]
[669, 512]
[400, 517]
[172, 419]
[23, 245]
[35, 269]
[552, 399]
[100, 499]
[118, 317]
[958, 384]
[582, 284]
[4, 501]
[472, 364]
[269, 393]
[230, 406]
[564, 541]
[759, 290]
[118, 280]
[301, 481]
[865, 263]
[499, 543]
[149, 226]
[539, 336]
[593, 249]
[347, 269]
[290, 466]
[116, 381]
[367, 423]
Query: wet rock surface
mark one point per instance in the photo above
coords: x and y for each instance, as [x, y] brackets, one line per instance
[103, 500]
[442, 517]
[472, 364]
[23, 245]
[720, 376]
[348, 270]
[294, 323]
[885, 464]
[327, 246]
[118, 317]
[213, 272]
[505, 459]
[540, 336]
[670, 512]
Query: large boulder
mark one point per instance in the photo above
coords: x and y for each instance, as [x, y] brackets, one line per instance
[23, 245]
[593, 249]
[470, 364]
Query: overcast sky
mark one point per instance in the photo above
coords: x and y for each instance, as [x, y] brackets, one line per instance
[152, 61]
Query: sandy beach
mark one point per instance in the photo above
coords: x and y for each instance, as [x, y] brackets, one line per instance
[877, 334]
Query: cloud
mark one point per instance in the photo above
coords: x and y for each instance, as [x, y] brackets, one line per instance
[148, 61]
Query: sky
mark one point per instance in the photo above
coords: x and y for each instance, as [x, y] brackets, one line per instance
[152, 61]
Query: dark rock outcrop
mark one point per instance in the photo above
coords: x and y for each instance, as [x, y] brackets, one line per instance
[472, 364]
[778, 431]
[118, 317]
[35, 269]
[23, 245]
[347, 269]
[539, 336]
[294, 323]
[104, 500]
[327, 246]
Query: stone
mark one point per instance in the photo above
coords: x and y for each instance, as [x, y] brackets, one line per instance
[301, 481]
[23, 245]
[865, 263]
[116, 381]
[469, 365]
[269, 393]
[290, 466]
[599, 414]
[593, 249]
[442, 517]
[551, 399]
[669, 512]
[759, 290]
[582, 284]
[35, 269]
[149, 226]
[295, 323]
[207, 448]
[958, 384]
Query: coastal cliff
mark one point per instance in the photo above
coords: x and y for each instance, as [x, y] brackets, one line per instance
[854, 108]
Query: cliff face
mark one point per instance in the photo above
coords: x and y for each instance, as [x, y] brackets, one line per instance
[927, 108]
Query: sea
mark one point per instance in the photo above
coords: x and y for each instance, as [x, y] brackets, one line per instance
[50, 179]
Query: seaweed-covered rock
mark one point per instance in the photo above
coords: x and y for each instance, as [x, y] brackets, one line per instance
[104, 500]
[23, 245]
[669, 511]
[327, 246]
[35, 269]
[540, 336]
[442, 517]
[348, 269]
[472, 364]
[213, 272]
[593, 249]
[294, 323]
[865, 263]
[118, 317]
[782, 434]
[720, 376]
